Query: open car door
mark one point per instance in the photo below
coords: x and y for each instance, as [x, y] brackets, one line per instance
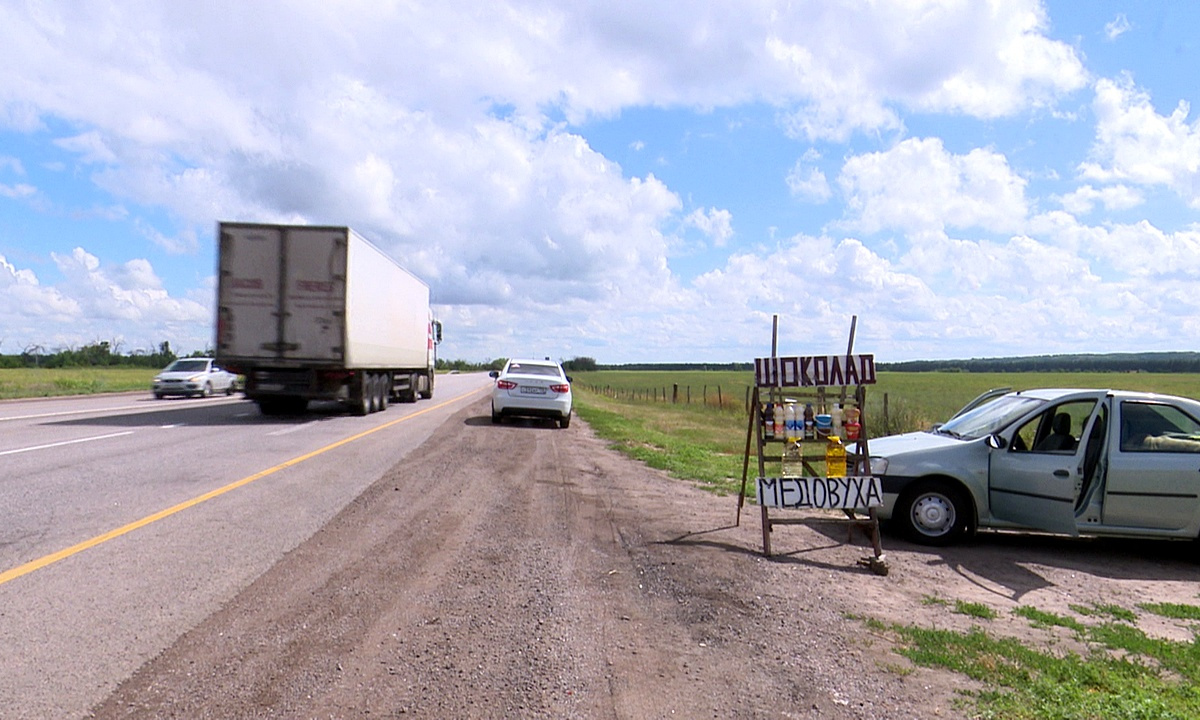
[1040, 490]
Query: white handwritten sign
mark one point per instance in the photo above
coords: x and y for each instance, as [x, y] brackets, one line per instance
[846, 493]
[815, 371]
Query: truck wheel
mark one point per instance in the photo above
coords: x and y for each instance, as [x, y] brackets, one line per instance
[385, 391]
[360, 404]
[428, 391]
[410, 395]
[372, 393]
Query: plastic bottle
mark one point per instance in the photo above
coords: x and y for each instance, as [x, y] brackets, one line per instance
[789, 421]
[837, 421]
[779, 420]
[853, 428]
[768, 418]
[835, 457]
[809, 416]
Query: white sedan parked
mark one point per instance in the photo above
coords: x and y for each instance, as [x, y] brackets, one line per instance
[1079, 462]
[532, 388]
[194, 377]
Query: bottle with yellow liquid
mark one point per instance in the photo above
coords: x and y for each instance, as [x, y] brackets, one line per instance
[835, 457]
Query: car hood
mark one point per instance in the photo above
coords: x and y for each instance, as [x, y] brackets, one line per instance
[891, 445]
[176, 375]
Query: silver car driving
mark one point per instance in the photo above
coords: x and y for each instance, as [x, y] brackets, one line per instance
[193, 377]
[1073, 461]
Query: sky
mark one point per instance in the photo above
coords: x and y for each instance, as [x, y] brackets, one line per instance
[626, 181]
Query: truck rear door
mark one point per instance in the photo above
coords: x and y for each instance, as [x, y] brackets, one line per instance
[314, 294]
[248, 306]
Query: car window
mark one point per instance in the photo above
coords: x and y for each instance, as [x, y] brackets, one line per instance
[1158, 427]
[188, 366]
[1055, 430]
[522, 369]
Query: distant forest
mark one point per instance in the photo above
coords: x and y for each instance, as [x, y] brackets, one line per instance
[1156, 362]
[102, 354]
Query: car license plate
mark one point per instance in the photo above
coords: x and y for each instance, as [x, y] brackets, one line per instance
[270, 387]
[525, 390]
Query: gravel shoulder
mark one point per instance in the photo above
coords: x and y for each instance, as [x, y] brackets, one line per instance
[527, 571]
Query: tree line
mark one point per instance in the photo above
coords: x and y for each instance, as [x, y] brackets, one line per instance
[98, 354]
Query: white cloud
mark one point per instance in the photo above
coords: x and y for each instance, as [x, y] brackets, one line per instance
[1082, 200]
[985, 59]
[716, 224]
[808, 183]
[1135, 144]
[1117, 27]
[919, 186]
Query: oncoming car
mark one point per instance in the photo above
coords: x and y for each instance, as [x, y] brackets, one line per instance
[532, 388]
[194, 377]
[1073, 461]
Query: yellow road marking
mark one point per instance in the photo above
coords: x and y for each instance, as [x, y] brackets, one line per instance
[52, 558]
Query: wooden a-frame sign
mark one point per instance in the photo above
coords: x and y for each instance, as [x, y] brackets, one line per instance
[812, 381]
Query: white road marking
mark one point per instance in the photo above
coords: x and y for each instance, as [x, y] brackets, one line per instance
[65, 442]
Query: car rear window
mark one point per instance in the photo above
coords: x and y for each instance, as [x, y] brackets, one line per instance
[524, 369]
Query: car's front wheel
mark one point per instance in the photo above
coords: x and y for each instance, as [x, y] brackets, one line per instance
[933, 512]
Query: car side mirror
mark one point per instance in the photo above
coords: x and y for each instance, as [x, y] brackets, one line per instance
[995, 442]
[569, 379]
[494, 373]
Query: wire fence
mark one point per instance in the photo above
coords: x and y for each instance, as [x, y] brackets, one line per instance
[886, 417]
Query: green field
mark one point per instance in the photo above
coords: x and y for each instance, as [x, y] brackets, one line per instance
[914, 400]
[47, 382]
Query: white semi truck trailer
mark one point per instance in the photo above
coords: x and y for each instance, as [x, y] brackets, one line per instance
[319, 313]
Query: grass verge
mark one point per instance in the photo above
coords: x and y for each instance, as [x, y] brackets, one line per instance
[1123, 675]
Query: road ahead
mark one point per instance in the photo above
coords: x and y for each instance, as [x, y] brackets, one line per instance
[126, 520]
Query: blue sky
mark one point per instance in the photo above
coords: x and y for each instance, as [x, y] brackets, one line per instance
[630, 182]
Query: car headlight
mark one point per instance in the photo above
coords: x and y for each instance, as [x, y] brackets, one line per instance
[879, 466]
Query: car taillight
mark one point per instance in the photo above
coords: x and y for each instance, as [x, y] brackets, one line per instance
[505, 384]
[560, 388]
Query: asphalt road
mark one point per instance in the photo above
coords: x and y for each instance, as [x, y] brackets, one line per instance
[124, 521]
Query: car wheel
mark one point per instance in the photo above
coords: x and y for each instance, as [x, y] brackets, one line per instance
[496, 417]
[207, 391]
[933, 512]
[158, 396]
[229, 389]
[565, 421]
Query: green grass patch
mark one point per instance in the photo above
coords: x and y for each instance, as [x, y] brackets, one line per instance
[49, 382]
[1114, 611]
[1041, 618]
[1124, 676]
[1172, 610]
[974, 609]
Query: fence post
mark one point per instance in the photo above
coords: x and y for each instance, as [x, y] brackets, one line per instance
[674, 393]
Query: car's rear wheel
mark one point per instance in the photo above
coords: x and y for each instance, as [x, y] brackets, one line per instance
[565, 421]
[496, 417]
[933, 512]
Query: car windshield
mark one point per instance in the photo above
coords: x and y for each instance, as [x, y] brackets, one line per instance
[187, 366]
[524, 369]
[990, 417]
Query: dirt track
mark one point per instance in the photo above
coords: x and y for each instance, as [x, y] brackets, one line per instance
[523, 571]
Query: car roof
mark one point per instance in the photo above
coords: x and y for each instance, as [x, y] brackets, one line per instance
[520, 361]
[1052, 394]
